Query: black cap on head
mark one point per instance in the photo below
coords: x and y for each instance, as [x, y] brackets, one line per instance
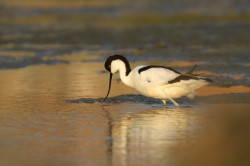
[117, 57]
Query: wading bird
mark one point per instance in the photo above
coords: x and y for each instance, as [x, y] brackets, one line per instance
[159, 82]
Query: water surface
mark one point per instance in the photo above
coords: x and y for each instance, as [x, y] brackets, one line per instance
[53, 82]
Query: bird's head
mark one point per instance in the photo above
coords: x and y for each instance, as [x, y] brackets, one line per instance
[113, 64]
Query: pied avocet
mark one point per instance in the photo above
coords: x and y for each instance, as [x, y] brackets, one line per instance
[159, 82]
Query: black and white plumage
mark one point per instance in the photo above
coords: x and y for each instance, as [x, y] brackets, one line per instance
[159, 82]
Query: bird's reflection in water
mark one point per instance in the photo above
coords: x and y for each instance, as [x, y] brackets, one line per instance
[147, 136]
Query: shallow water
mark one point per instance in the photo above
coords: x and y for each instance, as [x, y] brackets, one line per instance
[53, 115]
[53, 83]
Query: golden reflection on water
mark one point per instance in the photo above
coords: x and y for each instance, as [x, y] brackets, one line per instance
[149, 135]
[38, 128]
[59, 80]
[224, 140]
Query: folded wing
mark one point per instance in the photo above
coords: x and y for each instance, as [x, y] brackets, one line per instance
[158, 74]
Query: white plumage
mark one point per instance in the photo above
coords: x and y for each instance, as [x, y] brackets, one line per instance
[160, 82]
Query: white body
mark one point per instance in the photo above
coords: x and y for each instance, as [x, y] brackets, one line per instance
[154, 82]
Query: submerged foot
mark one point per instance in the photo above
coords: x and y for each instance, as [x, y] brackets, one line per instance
[174, 102]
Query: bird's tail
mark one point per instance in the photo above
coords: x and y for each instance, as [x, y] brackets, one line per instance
[191, 72]
[206, 79]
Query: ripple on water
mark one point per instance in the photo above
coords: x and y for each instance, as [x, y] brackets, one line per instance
[131, 98]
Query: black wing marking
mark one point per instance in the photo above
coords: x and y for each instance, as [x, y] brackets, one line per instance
[152, 66]
[182, 77]
[187, 77]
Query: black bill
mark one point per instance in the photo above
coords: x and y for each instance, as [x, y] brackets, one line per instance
[110, 79]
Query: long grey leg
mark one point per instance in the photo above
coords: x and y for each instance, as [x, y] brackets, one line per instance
[164, 102]
[174, 102]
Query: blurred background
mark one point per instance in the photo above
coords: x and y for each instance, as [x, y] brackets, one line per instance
[212, 33]
[54, 50]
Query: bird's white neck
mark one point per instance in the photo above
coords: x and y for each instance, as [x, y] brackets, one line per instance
[125, 78]
[120, 66]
